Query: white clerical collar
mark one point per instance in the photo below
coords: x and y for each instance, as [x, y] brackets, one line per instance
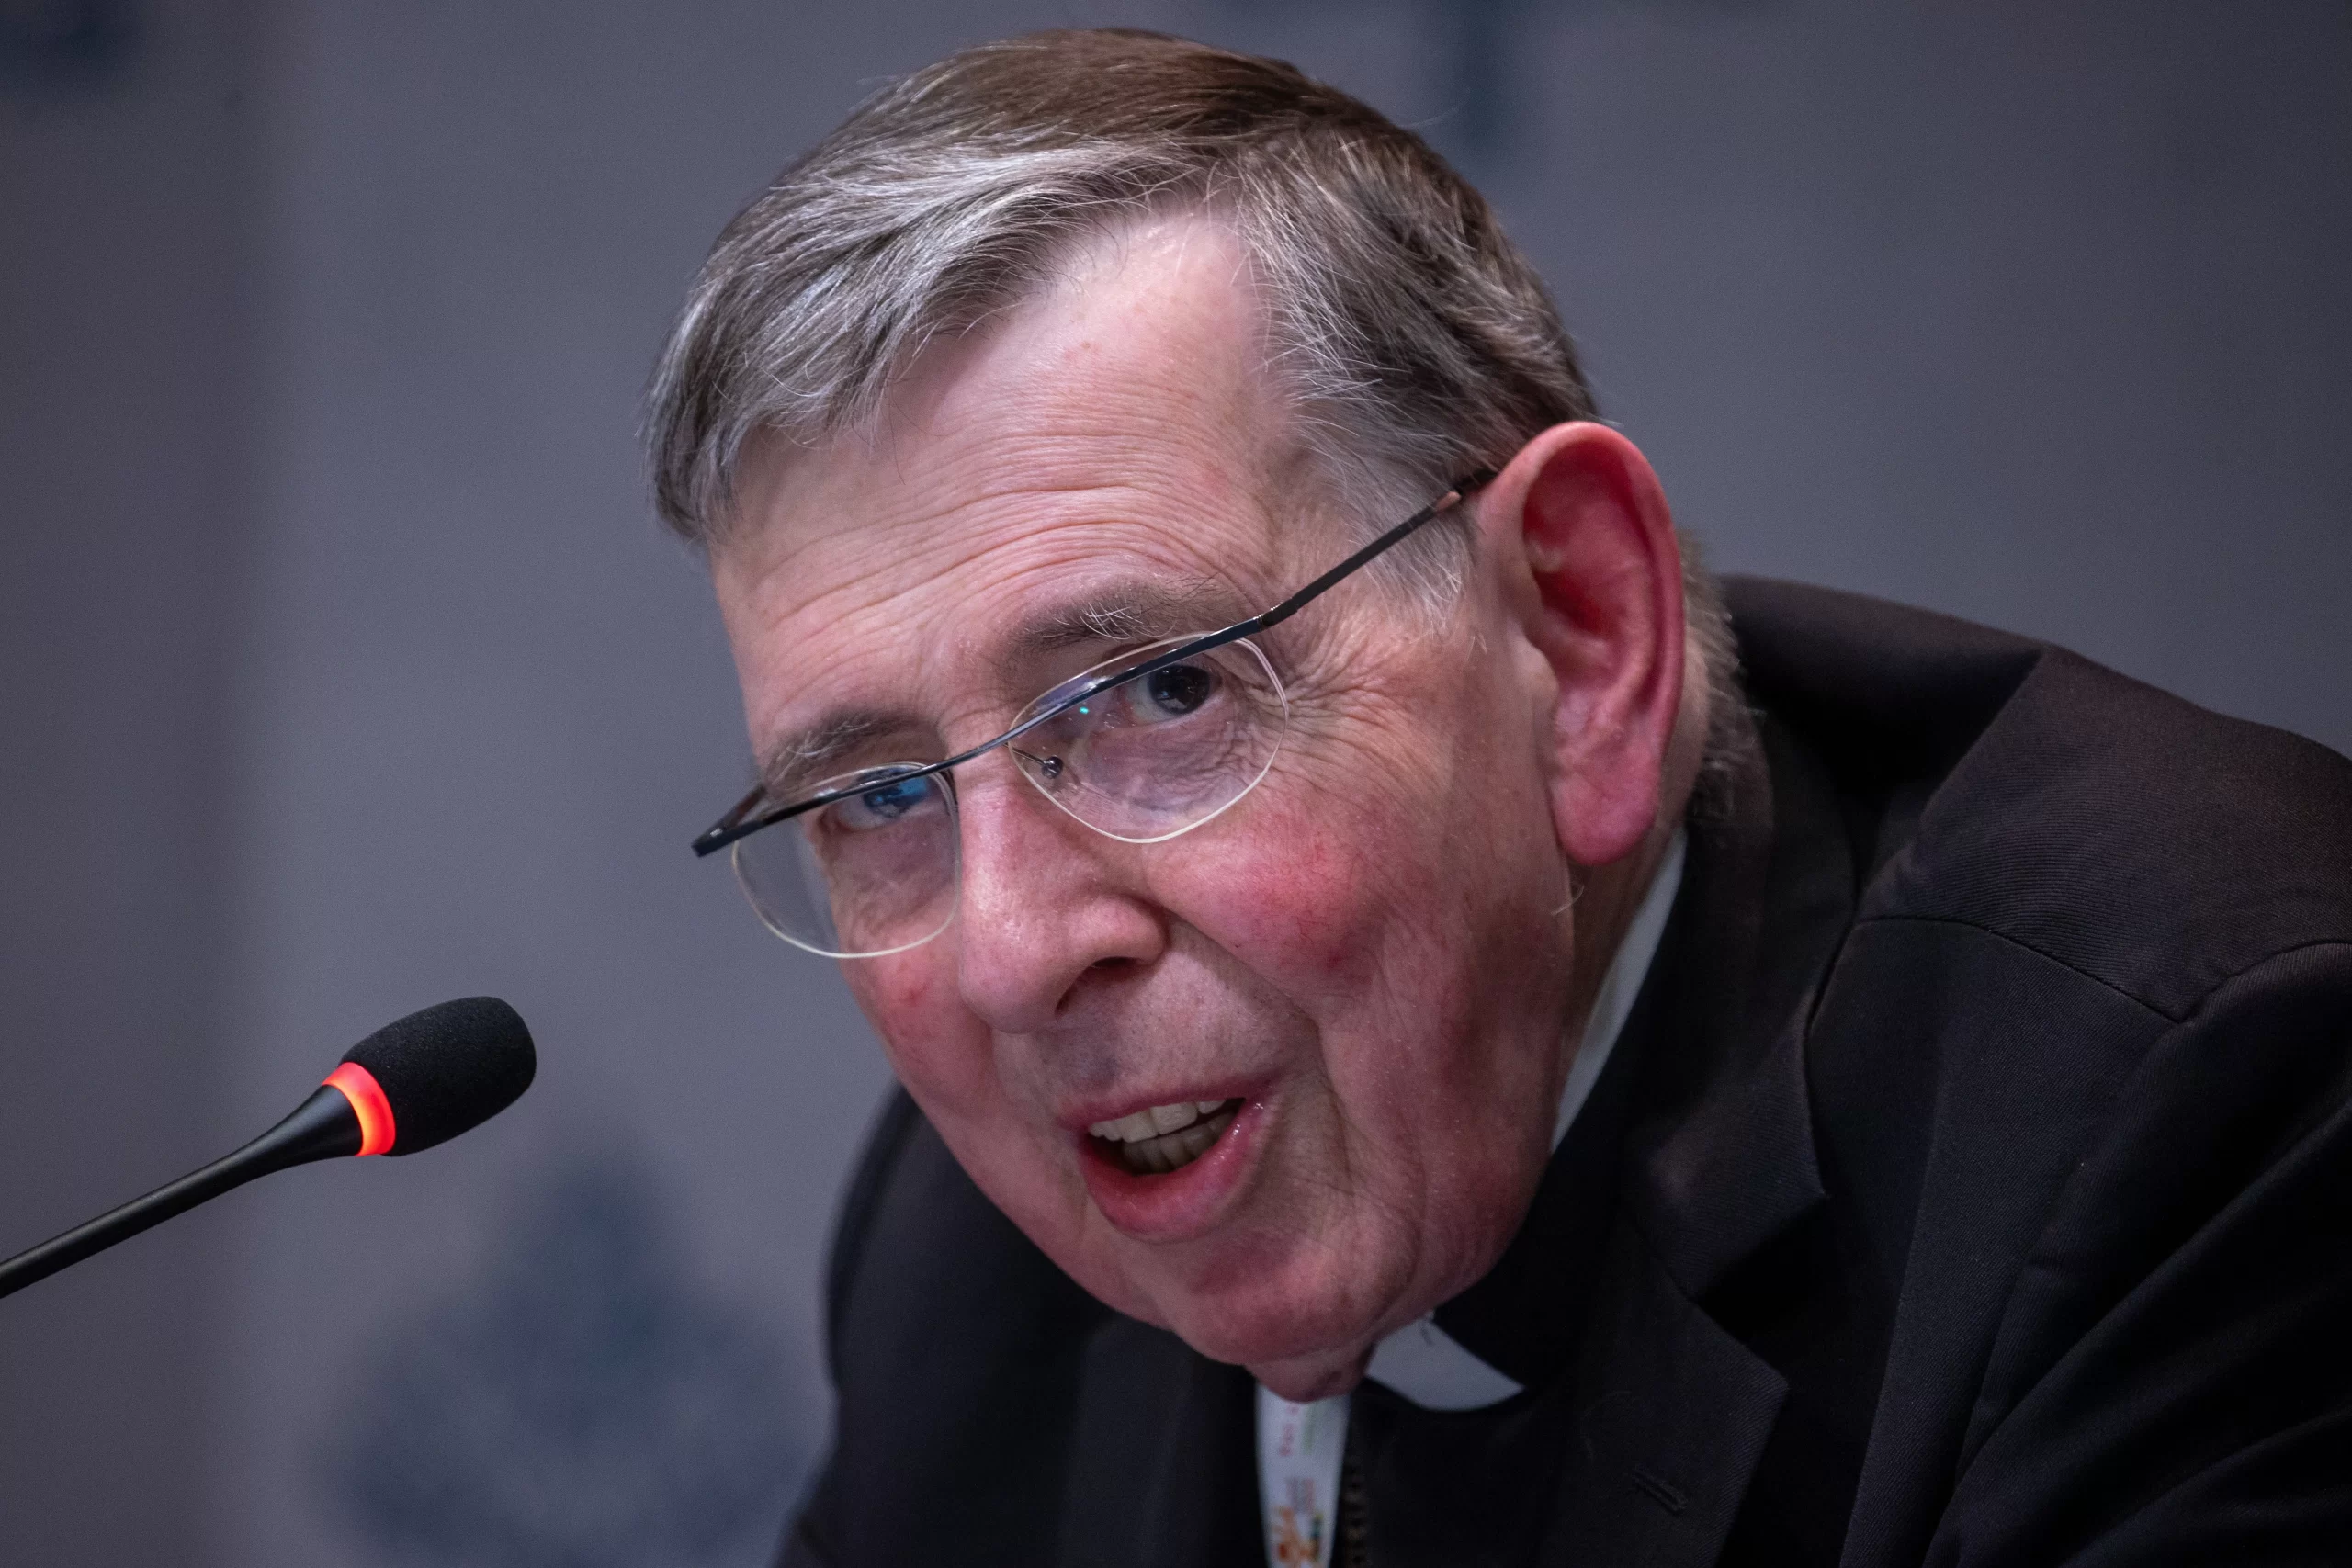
[1422, 1362]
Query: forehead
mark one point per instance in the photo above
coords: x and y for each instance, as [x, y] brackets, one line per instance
[1113, 438]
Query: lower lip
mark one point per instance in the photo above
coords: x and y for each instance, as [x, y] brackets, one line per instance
[1180, 1204]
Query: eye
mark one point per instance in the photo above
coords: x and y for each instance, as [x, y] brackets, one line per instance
[1173, 692]
[885, 805]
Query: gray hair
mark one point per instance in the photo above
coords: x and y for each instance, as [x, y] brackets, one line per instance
[1402, 320]
[1416, 341]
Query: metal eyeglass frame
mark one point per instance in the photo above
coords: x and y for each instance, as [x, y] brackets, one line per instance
[739, 821]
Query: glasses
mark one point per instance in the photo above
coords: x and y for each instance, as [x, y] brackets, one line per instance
[1142, 748]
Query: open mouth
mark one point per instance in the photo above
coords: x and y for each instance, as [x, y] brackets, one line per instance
[1162, 1138]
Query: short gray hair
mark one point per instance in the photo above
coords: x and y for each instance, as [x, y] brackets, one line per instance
[1416, 341]
[1405, 324]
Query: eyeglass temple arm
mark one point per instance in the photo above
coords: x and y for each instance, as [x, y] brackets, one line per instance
[1291, 606]
[1466, 485]
[731, 826]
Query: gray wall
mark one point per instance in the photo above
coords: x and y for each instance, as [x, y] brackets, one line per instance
[342, 670]
[126, 513]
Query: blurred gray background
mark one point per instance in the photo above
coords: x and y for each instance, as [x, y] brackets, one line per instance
[341, 669]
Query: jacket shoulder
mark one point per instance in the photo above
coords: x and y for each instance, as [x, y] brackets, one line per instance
[2150, 844]
[2081, 1074]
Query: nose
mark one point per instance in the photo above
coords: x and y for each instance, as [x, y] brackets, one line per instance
[1045, 906]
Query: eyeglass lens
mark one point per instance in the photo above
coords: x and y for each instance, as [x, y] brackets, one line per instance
[1144, 760]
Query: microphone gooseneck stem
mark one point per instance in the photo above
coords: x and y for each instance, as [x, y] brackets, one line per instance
[323, 1127]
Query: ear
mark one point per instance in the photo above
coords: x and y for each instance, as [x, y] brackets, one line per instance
[1582, 514]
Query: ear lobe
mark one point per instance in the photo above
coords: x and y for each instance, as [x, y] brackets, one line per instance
[1605, 613]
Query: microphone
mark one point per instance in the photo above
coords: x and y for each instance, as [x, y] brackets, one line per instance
[413, 1084]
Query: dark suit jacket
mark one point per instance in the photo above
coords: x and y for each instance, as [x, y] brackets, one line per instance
[1970, 1185]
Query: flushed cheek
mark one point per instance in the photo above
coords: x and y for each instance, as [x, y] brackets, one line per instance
[1364, 924]
[1368, 946]
[949, 1062]
[1299, 900]
[938, 1050]
[957, 1071]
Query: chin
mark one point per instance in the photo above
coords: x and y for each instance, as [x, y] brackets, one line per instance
[1300, 1356]
[1299, 1330]
[1302, 1383]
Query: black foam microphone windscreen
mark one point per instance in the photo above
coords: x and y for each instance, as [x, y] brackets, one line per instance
[448, 1069]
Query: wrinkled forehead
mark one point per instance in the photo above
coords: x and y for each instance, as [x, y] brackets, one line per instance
[1110, 452]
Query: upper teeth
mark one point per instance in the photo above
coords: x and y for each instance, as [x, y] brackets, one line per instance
[1155, 1122]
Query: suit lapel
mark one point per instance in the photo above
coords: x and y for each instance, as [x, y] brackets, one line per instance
[1672, 1415]
[1671, 1411]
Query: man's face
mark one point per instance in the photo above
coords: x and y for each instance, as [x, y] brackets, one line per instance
[1367, 953]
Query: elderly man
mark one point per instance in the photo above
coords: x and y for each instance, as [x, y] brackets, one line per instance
[1424, 1040]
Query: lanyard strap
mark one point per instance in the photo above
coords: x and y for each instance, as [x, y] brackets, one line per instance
[1298, 1476]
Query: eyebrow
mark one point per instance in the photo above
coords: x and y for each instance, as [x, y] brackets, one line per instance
[1138, 611]
[1141, 610]
[806, 753]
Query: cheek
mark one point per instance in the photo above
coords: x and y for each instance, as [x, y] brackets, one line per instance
[1284, 897]
[1321, 899]
[934, 1045]
[1375, 893]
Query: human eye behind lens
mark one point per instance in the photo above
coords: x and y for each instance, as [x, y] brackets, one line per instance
[886, 803]
[1177, 691]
